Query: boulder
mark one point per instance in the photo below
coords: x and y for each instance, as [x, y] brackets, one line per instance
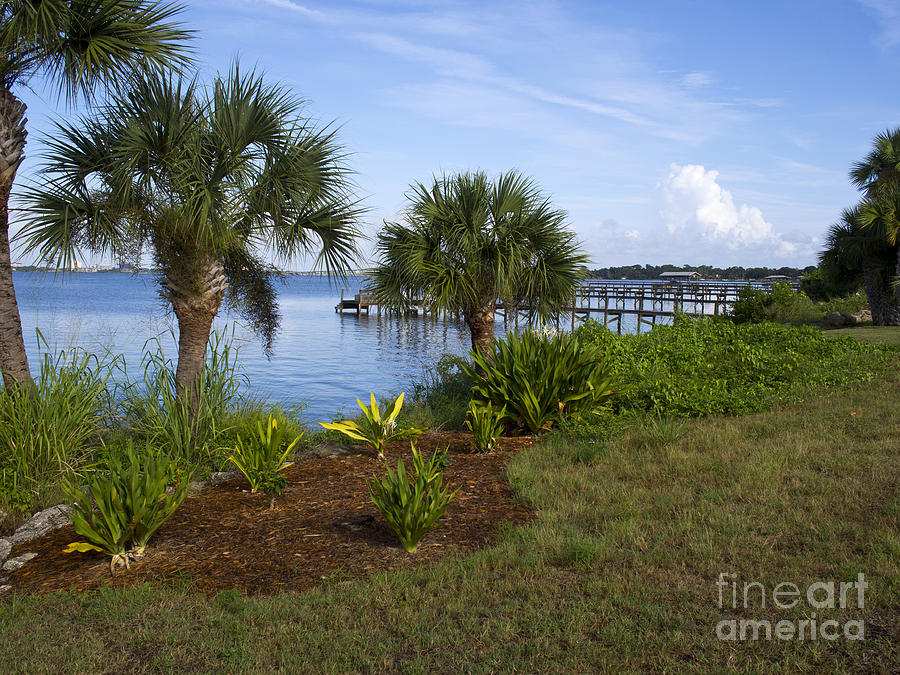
[864, 316]
[41, 523]
[834, 319]
[5, 548]
[13, 564]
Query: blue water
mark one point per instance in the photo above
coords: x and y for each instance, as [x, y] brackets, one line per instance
[322, 359]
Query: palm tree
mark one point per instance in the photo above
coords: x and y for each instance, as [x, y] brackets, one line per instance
[878, 176]
[879, 169]
[76, 46]
[207, 180]
[467, 241]
[853, 251]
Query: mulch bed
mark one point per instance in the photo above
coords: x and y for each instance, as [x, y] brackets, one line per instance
[323, 526]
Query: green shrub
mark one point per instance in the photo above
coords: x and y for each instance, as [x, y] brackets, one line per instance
[781, 304]
[132, 503]
[440, 397]
[373, 429]
[485, 424]
[54, 429]
[262, 458]
[540, 379]
[707, 366]
[413, 505]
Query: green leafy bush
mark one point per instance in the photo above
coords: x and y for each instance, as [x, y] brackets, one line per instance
[50, 431]
[440, 396]
[540, 379]
[781, 304]
[707, 366]
[485, 424]
[375, 429]
[262, 458]
[132, 502]
[412, 505]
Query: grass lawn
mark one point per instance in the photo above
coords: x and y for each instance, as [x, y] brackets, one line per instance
[618, 572]
[881, 335]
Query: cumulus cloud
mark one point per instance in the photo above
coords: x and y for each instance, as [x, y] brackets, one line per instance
[692, 199]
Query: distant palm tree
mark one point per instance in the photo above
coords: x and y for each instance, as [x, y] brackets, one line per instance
[76, 46]
[467, 241]
[208, 180]
[854, 251]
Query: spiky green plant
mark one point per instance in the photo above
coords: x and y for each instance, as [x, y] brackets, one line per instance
[485, 424]
[540, 378]
[375, 429]
[132, 501]
[412, 505]
[263, 457]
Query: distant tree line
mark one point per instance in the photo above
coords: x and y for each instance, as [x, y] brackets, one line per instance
[734, 273]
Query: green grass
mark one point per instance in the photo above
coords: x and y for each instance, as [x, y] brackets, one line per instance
[880, 335]
[617, 572]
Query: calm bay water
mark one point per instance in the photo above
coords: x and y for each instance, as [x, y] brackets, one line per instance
[322, 359]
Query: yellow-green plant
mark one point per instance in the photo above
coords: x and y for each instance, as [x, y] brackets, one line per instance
[412, 505]
[262, 458]
[375, 429]
[132, 502]
[486, 425]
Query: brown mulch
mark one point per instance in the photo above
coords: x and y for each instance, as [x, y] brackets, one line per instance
[324, 525]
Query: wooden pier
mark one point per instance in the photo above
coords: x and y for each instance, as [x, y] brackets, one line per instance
[609, 301]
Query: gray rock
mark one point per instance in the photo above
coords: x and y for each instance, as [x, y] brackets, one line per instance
[217, 477]
[324, 450]
[4, 589]
[5, 548]
[13, 564]
[834, 319]
[41, 523]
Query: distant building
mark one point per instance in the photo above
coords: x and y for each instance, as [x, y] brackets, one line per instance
[777, 277]
[680, 276]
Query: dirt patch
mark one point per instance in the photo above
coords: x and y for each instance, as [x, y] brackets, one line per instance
[323, 526]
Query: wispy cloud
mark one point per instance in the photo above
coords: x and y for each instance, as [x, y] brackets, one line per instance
[888, 14]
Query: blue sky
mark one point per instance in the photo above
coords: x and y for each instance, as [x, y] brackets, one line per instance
[683, 132]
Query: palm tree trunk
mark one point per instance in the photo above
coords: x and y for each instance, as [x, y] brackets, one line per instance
[195, 300]
[875, 294]
[481, 328]
[13, 358]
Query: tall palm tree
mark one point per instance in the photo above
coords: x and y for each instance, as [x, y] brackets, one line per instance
[76, 45]
[880, 169]
[878, 176]
[208, 180]
[854, 251]
[467, 241]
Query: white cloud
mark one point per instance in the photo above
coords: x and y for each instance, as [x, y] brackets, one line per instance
[693, 202]
[888, 14]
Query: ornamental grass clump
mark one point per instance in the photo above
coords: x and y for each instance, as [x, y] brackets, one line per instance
[485, 424]
[541, 379]
[412, 505]
[133, 499]
[375, 429]
[262, 458]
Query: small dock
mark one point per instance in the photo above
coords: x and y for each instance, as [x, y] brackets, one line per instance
[363, 300]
